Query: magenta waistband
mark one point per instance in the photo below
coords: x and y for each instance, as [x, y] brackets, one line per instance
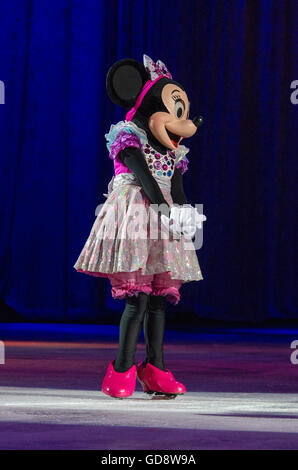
[145, 89]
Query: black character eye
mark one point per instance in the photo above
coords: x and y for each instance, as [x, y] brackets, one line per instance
[179, 108]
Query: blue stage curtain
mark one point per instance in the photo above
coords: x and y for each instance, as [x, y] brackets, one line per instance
[237, 60]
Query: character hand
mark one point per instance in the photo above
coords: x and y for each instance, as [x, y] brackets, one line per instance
[190, 219]
[183, 220]
[172, 223]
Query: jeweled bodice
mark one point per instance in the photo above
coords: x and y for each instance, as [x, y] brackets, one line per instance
[127, 134]
[159, 164]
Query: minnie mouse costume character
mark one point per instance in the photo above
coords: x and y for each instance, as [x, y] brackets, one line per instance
[148, 166]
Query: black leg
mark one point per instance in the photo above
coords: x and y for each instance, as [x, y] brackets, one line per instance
[130, 329]
[154, 327]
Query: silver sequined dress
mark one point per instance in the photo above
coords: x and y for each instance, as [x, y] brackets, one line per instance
[110, 248]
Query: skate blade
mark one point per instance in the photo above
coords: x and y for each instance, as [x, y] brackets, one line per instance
[162, 395]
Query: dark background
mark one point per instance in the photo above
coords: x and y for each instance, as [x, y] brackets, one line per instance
[237, 60]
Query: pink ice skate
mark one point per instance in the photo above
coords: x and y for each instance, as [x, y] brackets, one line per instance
[154, 380]
[119, 384]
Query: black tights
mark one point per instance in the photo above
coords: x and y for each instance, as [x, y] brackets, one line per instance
[149, 311]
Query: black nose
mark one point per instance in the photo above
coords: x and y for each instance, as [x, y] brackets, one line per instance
[198, 121]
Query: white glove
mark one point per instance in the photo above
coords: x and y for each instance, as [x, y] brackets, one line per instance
[183, 220]
[190, 214]
[189, 220]
[199, 218]
[172, 223]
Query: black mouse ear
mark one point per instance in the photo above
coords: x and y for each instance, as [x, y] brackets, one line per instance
[125, 80]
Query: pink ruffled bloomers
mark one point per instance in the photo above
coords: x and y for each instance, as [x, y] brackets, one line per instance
[132, 283]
